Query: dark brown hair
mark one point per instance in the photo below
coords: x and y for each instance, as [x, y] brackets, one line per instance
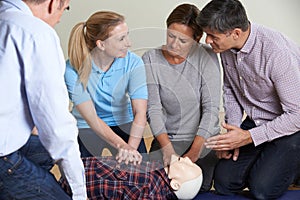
[186, 14]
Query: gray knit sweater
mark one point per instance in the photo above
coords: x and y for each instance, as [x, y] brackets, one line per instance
[183, 99]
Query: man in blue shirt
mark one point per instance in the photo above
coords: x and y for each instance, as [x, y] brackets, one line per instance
[34, 93]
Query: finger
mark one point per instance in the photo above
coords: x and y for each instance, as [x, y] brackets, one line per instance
[218, 138]
[219, 147]
[227, 156]
[134, 161]
[126, 160]
[212, 139]
[126, 156]
[228, 126]
[216, 144]
[236, 154]
[119, 155]
[137, 158]
[219, 154]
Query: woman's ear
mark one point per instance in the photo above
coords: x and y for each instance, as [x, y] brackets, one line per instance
[175, 185]
[100, 45]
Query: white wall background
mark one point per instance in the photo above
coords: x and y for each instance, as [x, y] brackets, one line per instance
[146, 18]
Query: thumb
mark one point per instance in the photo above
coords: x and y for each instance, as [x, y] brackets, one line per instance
[236, 154]
[228, 126]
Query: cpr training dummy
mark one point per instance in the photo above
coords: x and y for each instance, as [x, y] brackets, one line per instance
[108, 179]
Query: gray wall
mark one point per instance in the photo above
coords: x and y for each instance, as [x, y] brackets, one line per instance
[146, 18]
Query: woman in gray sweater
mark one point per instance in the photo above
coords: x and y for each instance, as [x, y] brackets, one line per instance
[184, 87]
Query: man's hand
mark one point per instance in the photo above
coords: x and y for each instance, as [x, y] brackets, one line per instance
[233, 139]
[228, 155]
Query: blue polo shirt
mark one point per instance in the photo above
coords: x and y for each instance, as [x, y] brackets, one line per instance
[110, 91]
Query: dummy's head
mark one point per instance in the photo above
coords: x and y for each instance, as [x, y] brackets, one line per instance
[186, 177]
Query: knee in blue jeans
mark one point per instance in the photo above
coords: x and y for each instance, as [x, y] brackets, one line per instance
[227, 185]
[260, 194]
[222, 187]
[262, 191]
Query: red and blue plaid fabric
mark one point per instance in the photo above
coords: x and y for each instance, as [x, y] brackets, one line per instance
[107, 179]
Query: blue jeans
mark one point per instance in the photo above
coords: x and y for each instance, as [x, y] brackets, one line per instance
[24, 174]
[267, 169]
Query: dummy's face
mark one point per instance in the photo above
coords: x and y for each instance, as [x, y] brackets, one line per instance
[183, 169]
[179, 40]
[117, 44]
[218, 41]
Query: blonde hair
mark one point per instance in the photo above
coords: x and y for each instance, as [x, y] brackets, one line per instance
[83, 38]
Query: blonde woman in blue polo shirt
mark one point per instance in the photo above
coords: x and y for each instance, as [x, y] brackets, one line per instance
[107, 86]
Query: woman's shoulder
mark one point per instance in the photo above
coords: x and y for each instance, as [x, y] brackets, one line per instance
[70, 70]
[205, 51]
[151, 52]
[69, 66]
[132, 57]
[153, 55]
[131, 54]
[205, 48]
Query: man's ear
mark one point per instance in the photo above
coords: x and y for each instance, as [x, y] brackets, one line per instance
[197, 39]
[53, 4]
[175, 185]
[237, 33]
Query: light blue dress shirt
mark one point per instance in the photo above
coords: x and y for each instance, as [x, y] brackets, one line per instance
[110, 91]
[33, 91]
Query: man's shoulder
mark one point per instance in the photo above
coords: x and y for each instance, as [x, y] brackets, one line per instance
[26, 24]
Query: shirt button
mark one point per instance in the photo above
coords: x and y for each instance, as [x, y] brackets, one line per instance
[9, 171]
[257, 122]
[5, 158]
[241, 78]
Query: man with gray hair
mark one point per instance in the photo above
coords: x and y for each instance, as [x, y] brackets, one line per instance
[34, 93]
[261, 79]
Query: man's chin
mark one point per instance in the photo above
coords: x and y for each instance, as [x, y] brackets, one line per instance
[216, 50]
